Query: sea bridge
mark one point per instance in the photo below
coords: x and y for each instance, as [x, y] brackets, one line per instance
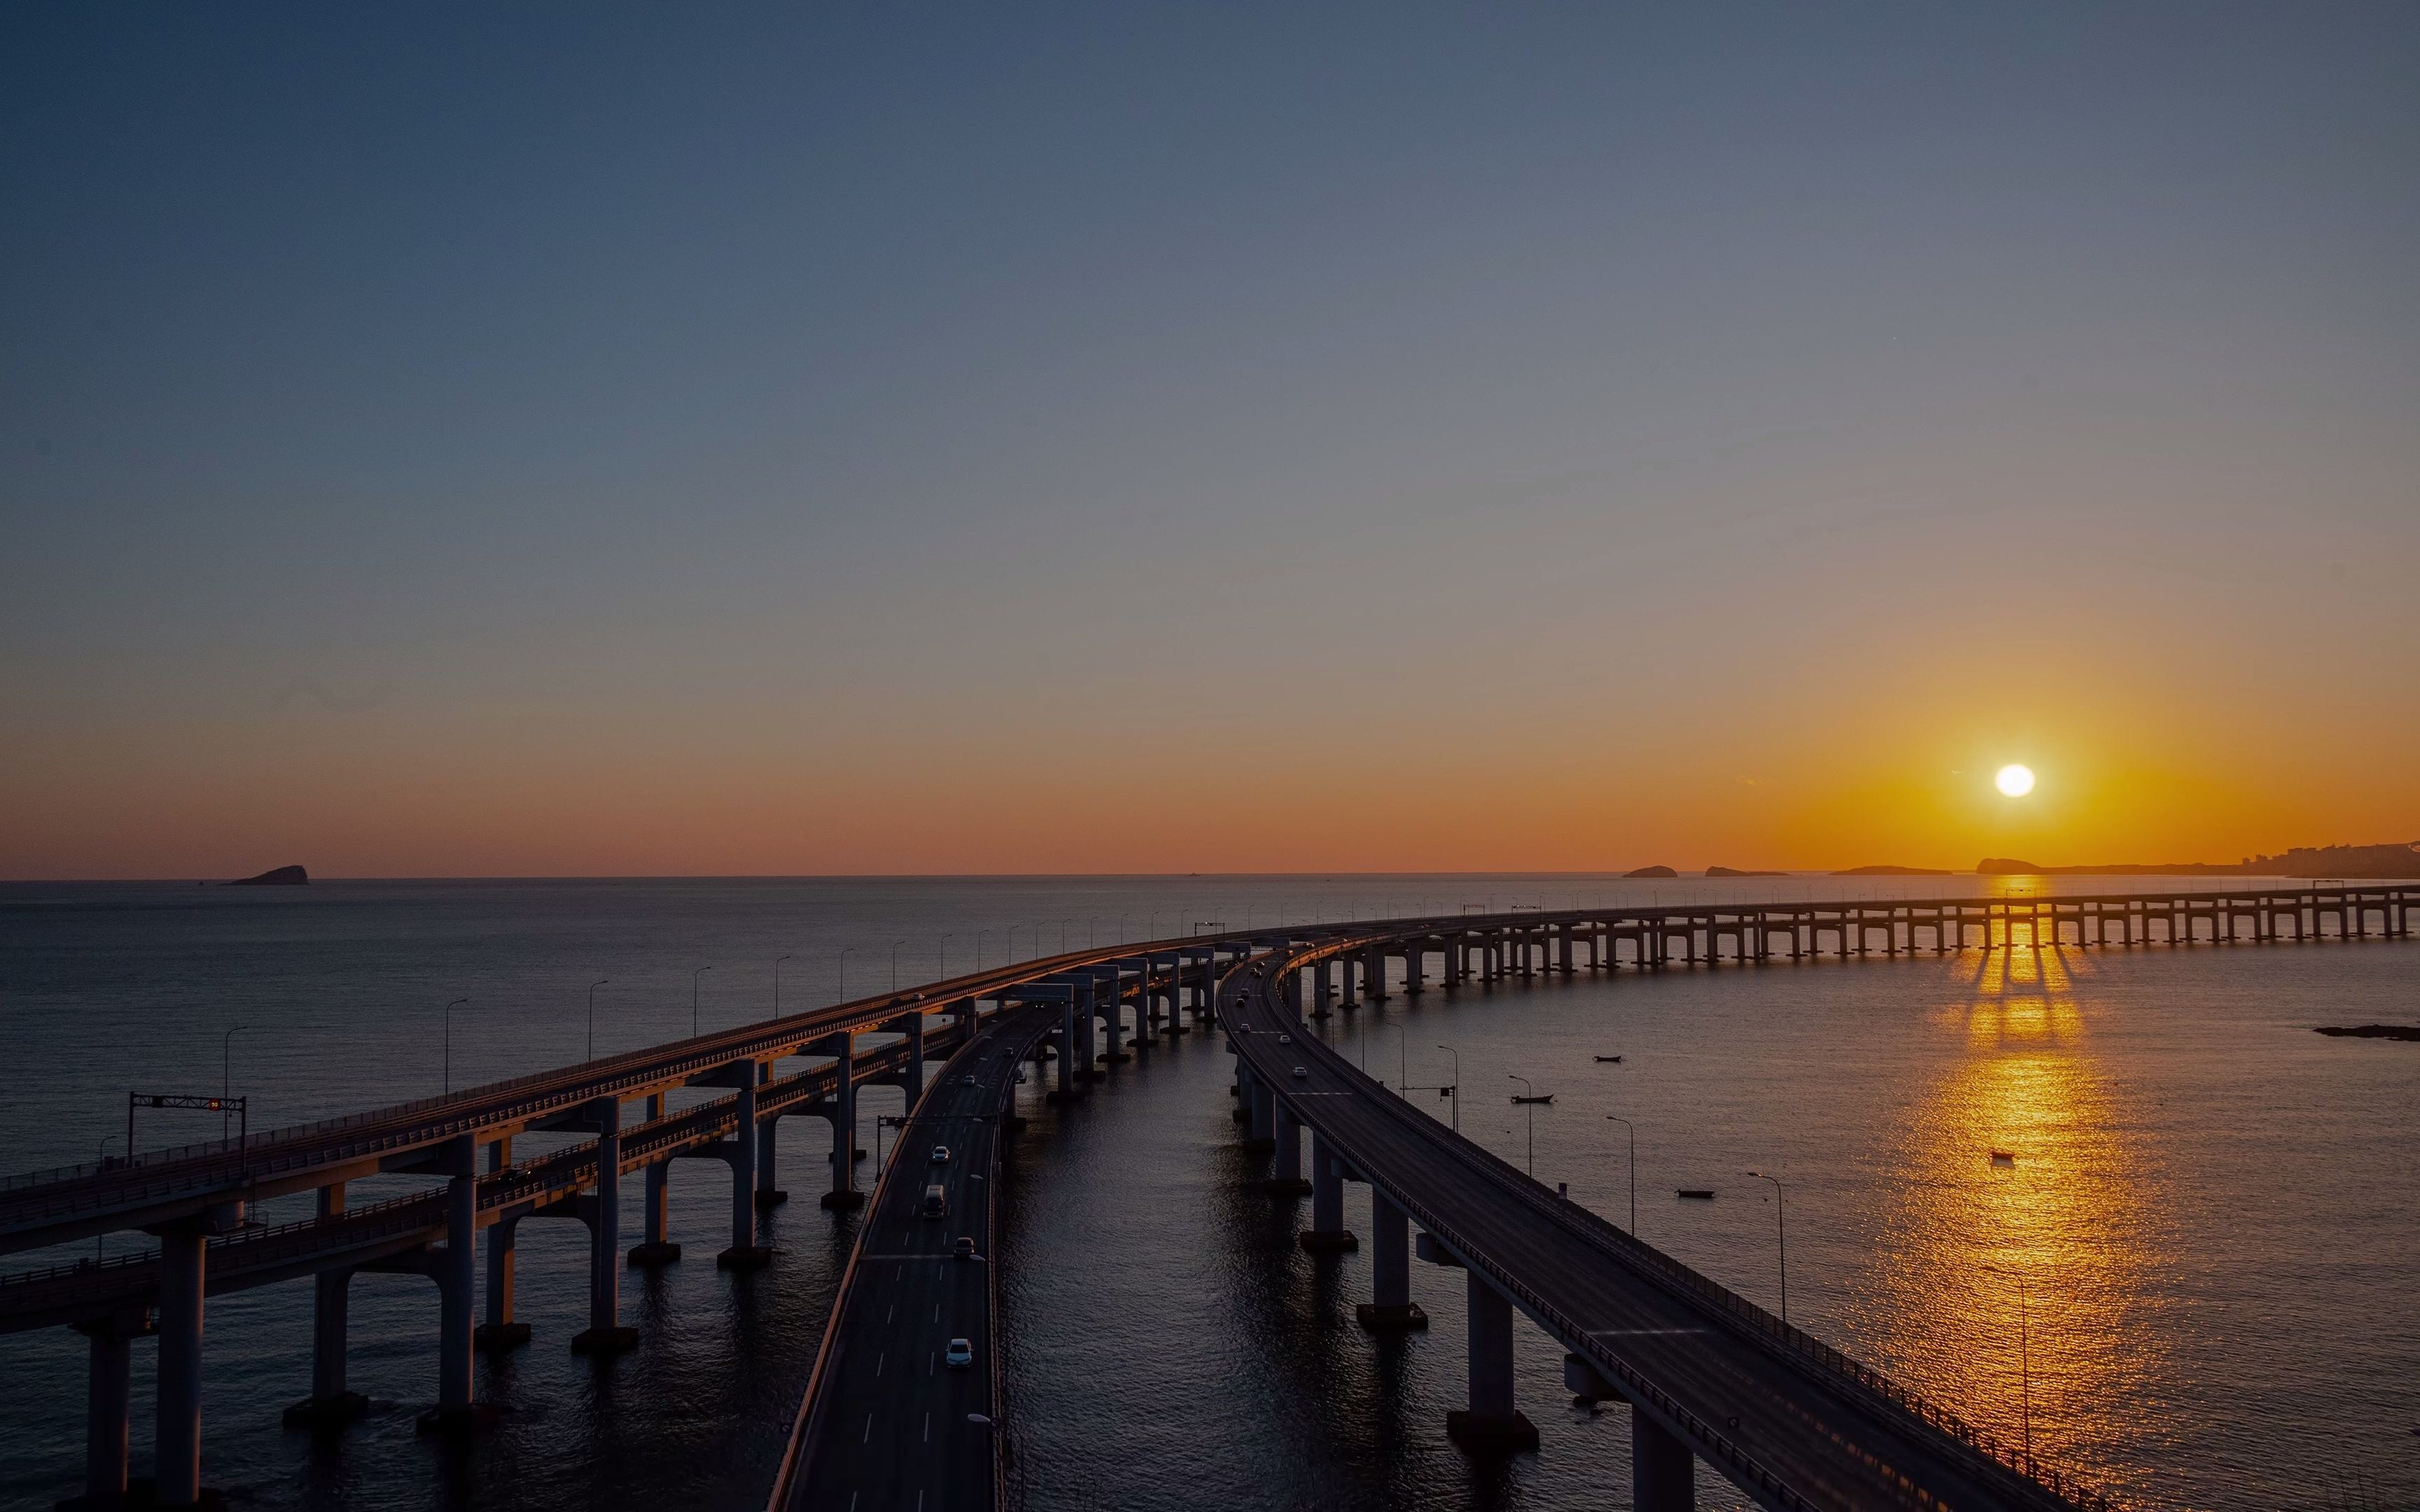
[1791, 1422]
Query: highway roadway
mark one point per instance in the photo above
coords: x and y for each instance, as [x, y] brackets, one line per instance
[886, 1420]
[1772, 1410]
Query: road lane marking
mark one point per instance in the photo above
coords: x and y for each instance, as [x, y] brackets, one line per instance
[929, 1428]
[1637, 1333]
[869, 1428]
[878, 1360]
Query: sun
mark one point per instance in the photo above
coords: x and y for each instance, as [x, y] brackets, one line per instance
[2014, 781]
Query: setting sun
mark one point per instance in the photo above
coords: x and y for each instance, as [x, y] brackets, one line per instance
[2016, 781]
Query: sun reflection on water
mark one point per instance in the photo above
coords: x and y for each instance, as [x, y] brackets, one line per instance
[2018, 1194]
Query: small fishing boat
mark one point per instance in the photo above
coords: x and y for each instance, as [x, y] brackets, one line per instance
[2003, 1157]
[1547, 1098]
[1697, 1193]
[1615, 1059]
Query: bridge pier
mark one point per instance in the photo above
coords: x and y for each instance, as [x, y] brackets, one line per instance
[1663, 1477]
[330, 1405]
[1326, 1234]
[501, 1332]
[457, 1281]
[605, 1335]
[1390, 1308]
[108, 1405]
[844, 1196]
[177, 1473]
[1492, 1424]
[654, 1246]
[1285, 1172]
[1112, 997]
[745, 1254]
[768, 1187]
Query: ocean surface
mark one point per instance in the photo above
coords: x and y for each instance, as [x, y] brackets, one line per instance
[2197, 1278]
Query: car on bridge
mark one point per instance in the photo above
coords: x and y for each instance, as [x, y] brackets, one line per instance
[941, 1154]
[965, 1248]
[959, 1355]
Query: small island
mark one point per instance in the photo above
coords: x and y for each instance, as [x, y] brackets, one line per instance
[1728, 872]
[1652, 872]
[1892, 872]
[2374, 1031]
[280, 876]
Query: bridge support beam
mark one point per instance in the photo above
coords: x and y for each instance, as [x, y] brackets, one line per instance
[1492, 1424]
[458, 1283]
[844, 1196]
[330, 1405]
[654, 1246]
[605, 1335]
[108, 1405]
[768, 1187]
[177, 1473]
[1663, 1477]
[501, 1331]
[1326, 1234]
[745, 1254]
[1285, 1172]
[1390, 1308]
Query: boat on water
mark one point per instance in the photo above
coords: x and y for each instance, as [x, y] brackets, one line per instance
[2003, 1157]
[1547, 1098]
[1615, 1059]
[1697, 1193]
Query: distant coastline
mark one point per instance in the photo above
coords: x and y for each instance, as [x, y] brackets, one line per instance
[2306, 862]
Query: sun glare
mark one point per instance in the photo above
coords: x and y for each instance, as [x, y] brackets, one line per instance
[2016, 781]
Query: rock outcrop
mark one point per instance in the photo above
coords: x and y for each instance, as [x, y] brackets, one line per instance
[282, 876]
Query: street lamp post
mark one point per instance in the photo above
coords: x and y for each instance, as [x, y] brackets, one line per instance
[777, 984]
[945, 957]
[1529, 1102]
[449, 1041]
[1781, 1233]
[843, 974]
[894, 965]
[981, 935]
[692, 999]
[591, 1014]
[2024, 1362]
[1455, 1090]
[1634, 1171]
[1403, 1064]
[227, 1076]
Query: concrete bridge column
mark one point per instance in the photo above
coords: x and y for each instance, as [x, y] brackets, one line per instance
[1323, 991]
[1663, 1477]
[178, 1468]
[1113, 1006]
[844, 1194]
[745, 1254]
[108, 1405]
[457, 1281]
[1373, 972]
[1264, 1118]
[1066, 1091]
[1327, 1234]
[768, 1186]
[1390, 1308]
[655, 1247]
[1285, 1171]
[499, 1332]
[1345, 968]
[330, 1405]
[605, 1334]
[1492, 1424]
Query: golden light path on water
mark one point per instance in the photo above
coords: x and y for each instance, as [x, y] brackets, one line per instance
[2019, 1283]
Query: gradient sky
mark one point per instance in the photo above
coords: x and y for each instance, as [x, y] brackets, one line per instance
[588, 440]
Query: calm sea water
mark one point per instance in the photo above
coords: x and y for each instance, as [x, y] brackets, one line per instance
[2209, 1227]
